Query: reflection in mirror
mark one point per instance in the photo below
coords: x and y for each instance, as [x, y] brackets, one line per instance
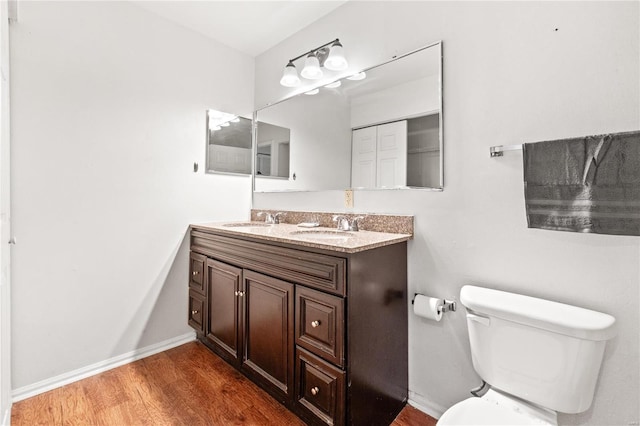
[228, 143]
[273, 150]
[380, 131]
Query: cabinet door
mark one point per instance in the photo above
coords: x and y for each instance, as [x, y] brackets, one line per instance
[363, 158]
[223, 313]
[268, 328]
[392, 155]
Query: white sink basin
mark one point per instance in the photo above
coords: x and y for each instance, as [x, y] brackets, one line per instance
[324, 234]
[247, 225]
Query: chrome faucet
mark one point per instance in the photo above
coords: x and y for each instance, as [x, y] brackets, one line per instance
[272, 218]
[344, 224]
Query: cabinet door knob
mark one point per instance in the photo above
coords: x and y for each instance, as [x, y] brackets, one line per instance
[315, 324]
[237, 293]
[194, 273]
[241, 293]
[194, 312]
[315, 390]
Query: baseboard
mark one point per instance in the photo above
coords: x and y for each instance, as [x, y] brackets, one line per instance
[426, 406]
[82, 373]
[6, 416]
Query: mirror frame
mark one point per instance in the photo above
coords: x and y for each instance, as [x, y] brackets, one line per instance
[306, 89]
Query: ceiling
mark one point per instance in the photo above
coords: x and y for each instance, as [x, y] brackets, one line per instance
[251, 27]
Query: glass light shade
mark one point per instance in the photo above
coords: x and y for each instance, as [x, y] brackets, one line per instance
[336, 60]
[311, 68]
[333, 85]
[360, 76]
[290, 76]
[312, 92]
[216, 115]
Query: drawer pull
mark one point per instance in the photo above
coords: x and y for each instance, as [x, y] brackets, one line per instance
[194, 312]
[315, 390]
[194, 273]
[315, 324]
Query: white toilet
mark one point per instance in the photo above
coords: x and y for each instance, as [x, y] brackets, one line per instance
[538, 357]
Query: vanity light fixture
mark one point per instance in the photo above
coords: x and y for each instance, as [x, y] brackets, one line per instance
[359, 76]
[329, 55]
[336, 60]
[216, 120]
[311, 70]
[290, 76]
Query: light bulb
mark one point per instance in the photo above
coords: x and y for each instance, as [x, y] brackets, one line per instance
[311, 68]
[336, 60]
[360, 76]
[290, 76]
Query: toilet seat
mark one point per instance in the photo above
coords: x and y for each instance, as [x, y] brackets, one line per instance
[496, 409]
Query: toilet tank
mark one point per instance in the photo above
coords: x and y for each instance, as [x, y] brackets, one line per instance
[544, 352]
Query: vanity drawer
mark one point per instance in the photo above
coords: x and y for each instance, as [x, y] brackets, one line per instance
[311, 269]
[196, 311]
[321, 389]
[320, 324]
[196, 273]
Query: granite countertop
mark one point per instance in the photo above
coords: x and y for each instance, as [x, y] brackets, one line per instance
[318, 237]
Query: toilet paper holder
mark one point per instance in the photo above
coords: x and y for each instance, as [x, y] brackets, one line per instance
[447, 305]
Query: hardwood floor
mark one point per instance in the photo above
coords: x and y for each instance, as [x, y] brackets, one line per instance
[187, 385]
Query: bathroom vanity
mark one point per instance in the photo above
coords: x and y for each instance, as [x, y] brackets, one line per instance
[317, 318]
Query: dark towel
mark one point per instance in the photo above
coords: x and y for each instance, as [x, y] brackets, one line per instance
[589, 184]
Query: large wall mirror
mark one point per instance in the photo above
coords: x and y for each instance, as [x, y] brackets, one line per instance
[378, 129]
[228, 143]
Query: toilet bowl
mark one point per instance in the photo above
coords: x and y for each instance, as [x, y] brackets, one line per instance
[538, 357]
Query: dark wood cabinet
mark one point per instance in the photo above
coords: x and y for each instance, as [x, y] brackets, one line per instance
[321, 389]
[196, 273]
[224, 327]
[196, 311]
[324, 332]
[268, 328]
[320, 324]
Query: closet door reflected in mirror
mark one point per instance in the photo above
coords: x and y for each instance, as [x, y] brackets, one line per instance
[379, 129]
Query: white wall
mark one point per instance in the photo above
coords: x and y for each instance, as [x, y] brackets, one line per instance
[320, 150]
[5, 221]
[396, 102]
[108, 117]
[513, 72]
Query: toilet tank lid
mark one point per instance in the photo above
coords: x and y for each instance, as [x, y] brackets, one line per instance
[553, 316]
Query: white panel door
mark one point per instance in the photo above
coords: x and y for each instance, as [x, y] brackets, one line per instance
[363, 158]
[392, 155]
